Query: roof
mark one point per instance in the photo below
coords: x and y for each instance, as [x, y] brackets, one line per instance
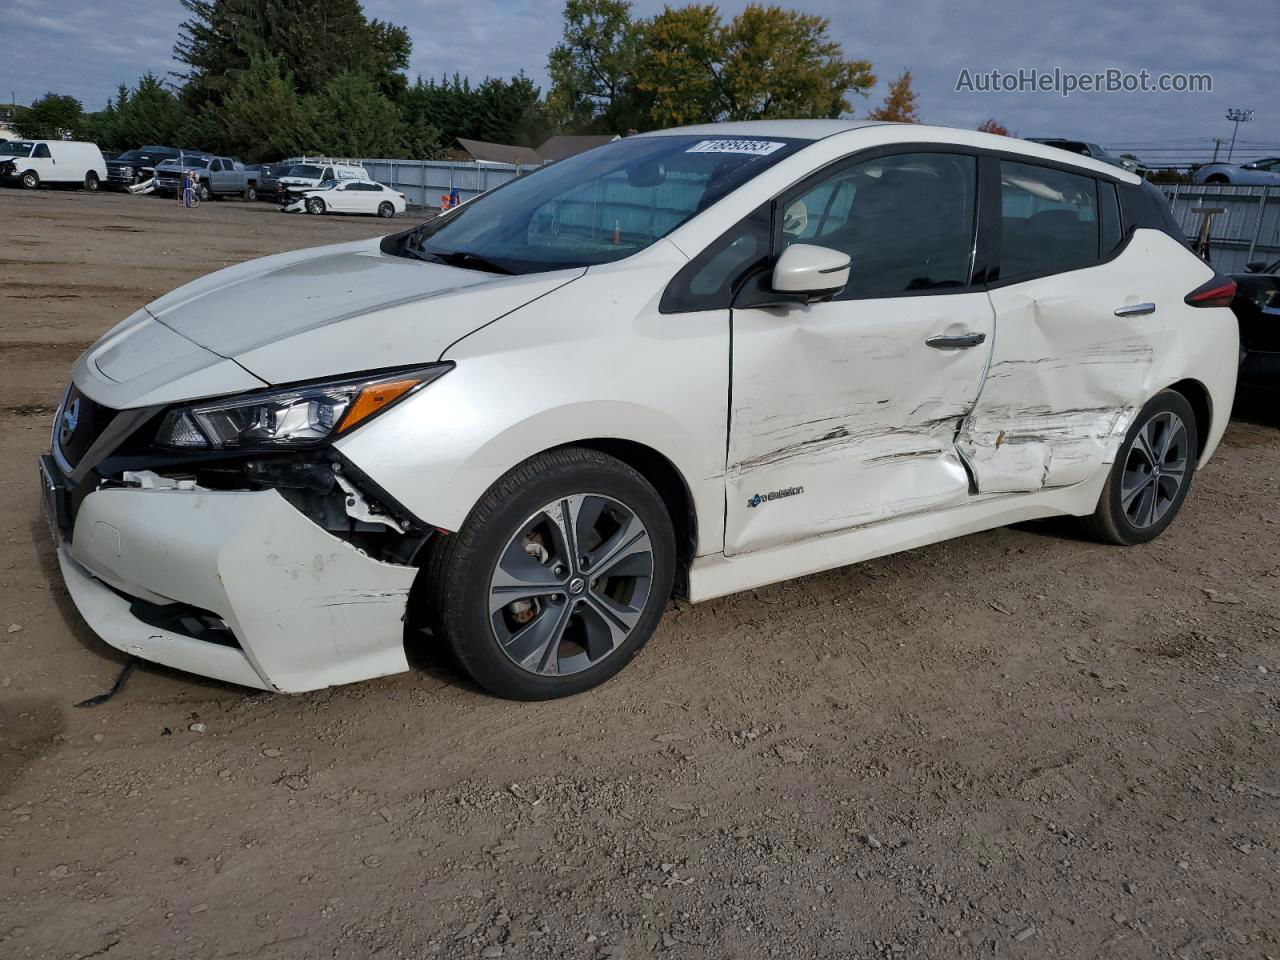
[795, 129]
[500, 152]
[904, 133]
[560, 147]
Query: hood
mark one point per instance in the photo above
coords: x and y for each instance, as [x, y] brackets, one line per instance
[188, 165]
[341, 309]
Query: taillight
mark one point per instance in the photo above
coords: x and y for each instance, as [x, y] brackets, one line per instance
[1218, 292]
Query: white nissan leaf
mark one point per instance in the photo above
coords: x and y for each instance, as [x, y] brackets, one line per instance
[686, 363]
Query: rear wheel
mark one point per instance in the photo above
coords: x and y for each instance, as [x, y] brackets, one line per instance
[557, 578]
[386, 211]
[1151, 475]
[251, 192]
[315, 205]
[30, 180]
[91, 180]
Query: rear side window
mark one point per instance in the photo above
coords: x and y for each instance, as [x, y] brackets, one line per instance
[906, 221]
[1049, 221]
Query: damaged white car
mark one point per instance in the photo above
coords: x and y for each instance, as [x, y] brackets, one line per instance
[689, 362]
[347, 196]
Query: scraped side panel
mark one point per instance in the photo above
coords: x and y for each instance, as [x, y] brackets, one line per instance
[1066, 379]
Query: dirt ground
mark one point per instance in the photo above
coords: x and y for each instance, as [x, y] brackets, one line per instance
[1017, 744]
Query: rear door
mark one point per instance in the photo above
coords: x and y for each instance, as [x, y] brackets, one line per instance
[1077, 330]
[845, 413]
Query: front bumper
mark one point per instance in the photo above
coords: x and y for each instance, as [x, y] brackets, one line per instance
[306, 609]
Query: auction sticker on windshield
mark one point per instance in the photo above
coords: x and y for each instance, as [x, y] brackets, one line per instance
[760, 148]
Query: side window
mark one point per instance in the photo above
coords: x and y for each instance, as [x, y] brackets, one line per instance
[1049, 221]
[216, 166]
[41, 151]
[710, 280]
[906, 221]
[1109, 218]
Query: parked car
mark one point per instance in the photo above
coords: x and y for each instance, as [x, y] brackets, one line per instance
[701, 360]
[1086, 149]
[1258, 172]
[309, 173]
[137, 166]
[217, 177]
[348, 196]
[30, 163]
[1257, 307]
[269, 175]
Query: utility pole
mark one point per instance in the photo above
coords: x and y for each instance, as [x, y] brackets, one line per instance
[1217, 145]
[1237, 116]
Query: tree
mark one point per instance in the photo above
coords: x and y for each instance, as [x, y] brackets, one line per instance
[992, 125]
[261, 115]
[314, 40]
[350, 117]
[899, 104]
[50, 118]
[591, 68]
[766, 62]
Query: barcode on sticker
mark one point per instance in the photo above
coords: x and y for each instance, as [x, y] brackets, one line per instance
[759, 148]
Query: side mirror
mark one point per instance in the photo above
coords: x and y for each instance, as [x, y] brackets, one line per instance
[1249, 166]
[814, 271]
[1255, 266]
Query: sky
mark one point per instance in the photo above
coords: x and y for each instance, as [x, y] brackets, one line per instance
[88, 47]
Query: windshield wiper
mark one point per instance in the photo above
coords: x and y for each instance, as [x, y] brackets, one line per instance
[465, 260]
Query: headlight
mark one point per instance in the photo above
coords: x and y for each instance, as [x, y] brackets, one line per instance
[127, 171]
[295, 417]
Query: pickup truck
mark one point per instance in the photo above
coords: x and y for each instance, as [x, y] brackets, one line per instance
[218, 177]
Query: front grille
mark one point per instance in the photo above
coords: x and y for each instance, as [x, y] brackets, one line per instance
[80, 422]
[167, 180]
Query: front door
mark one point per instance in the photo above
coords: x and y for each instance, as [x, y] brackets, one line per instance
[845, 413]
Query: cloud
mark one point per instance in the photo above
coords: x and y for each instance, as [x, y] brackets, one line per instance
[86, 48]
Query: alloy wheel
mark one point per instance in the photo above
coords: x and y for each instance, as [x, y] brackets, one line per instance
[1155, 470]
[571, 584]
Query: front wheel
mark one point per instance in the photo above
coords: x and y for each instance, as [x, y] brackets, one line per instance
[1151, 475]
[203, 194]
[1216, 178]
[91, 180]
[557, 578]
[30, 180]
[386, 211]
[315, 206]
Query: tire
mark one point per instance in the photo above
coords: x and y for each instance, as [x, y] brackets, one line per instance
[91, 180]
[251, 193]
[315, 206]
[1138, 503]
[203, 193]
[386, 211]
[514, 527]
[30, 180]
[1216, 178]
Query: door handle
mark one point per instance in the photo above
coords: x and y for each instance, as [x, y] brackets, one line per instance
[1136, 310]
[961, 342]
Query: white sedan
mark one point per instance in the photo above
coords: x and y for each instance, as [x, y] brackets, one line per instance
[348, 196]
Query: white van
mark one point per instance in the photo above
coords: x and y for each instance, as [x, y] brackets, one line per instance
[33, 162]
[307, 173]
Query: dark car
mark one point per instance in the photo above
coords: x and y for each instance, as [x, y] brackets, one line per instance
[135, 166]
[1257, 306]
[269, 175]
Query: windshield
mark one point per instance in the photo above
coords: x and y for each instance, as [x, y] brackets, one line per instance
[596, 207]
[132, 155]
[305, 170]
[16, 148]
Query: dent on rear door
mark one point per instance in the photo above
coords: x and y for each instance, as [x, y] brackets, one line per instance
[1066, 378]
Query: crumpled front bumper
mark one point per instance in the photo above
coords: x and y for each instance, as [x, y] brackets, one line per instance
[306, 609]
